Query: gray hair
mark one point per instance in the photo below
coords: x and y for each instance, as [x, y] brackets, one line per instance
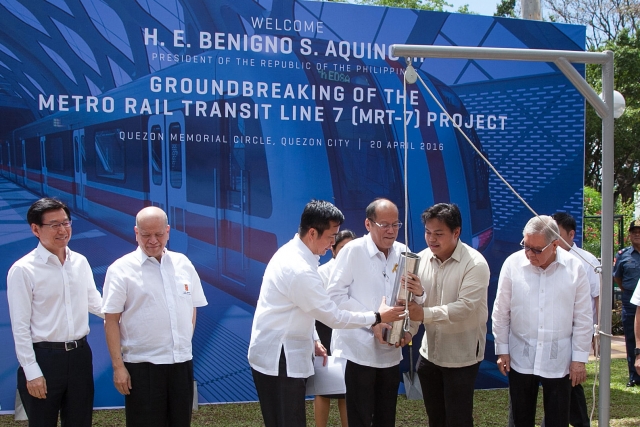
[544, 225]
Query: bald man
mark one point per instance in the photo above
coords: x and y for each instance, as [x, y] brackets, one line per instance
[149, 300]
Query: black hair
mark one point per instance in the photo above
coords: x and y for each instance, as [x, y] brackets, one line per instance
[42, 206]
[319, 214]
[449, 213]
[565, 220]
[342, 235]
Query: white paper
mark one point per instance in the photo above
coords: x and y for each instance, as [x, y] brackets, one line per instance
[327, 379]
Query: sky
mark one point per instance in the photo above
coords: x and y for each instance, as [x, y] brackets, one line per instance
[482, 7]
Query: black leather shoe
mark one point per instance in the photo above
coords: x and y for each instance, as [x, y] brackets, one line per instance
[632, 383]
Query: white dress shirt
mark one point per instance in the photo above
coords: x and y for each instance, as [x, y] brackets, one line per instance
[325, 271]
[156, 300]
[589, 262]
[291, 298]
[49, 301]
[542, 317]
[361, 277]
[635, 298]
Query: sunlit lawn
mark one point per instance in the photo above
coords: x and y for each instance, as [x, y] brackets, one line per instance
[490, 408]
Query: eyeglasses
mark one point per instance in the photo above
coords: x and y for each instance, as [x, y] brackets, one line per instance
[56, 225]
[385, 227]
[535, 251]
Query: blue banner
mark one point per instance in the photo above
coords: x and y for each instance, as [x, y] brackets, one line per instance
[231, 116]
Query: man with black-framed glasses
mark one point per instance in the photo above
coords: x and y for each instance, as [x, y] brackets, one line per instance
[364, 272]
[542, 324]
[292, 296]
[50, 293]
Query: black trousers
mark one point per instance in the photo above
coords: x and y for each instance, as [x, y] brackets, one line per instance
[523, 391]
[578, 412]
[160, 395]
[69, 379]
[448, 393]
[372, 394]
[281, 398]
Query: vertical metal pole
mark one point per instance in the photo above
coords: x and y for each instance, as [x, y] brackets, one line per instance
[607, 244]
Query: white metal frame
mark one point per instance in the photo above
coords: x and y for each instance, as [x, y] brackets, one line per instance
[604, 108]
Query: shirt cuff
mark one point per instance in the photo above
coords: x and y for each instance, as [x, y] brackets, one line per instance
[33, 371]
[502, 349]
[420, 299]
[370, 318]
[580, 356]
[427, 315]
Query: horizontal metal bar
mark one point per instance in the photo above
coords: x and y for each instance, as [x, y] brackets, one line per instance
[464, 52]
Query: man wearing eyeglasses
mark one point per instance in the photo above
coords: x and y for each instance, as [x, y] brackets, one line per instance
[364, 272]
[292, 297]
[151, 297]
[542, 324]
[50, 293]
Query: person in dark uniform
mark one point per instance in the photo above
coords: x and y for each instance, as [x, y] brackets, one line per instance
[626, 273]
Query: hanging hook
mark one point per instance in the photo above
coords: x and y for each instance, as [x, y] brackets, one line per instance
[410, 75]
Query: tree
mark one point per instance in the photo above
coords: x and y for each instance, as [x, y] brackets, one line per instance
[435, 5]
[626, 50]
[591, 227]
[506, 9]
[604, 19]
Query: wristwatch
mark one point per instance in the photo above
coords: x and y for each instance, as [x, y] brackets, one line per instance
[637, 352]
[378, 318]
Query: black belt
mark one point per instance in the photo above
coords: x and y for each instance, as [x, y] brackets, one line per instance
[67, 346]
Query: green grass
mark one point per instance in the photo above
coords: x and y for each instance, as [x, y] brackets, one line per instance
[490, 408]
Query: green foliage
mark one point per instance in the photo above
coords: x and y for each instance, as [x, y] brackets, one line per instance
[591, 229]
[506, 8]
[465, 9]
[435, 5]
[627, 127]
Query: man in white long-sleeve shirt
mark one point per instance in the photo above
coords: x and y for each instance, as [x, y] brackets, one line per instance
[542, 324]
[364, 272]
[50, 292]
[292, 297]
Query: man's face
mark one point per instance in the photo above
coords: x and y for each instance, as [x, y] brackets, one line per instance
[567, 236]
[53, 239]
[384, 227]
[440, 238]
[634, 235]
[538, 243]
[152, 235]
[321, 243]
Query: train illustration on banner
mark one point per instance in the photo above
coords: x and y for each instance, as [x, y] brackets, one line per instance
[232, 152]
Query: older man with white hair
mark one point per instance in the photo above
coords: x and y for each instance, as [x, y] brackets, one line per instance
[150, 300]
[542, 324]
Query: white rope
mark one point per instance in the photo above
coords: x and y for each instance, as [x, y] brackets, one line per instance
[405, 327]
